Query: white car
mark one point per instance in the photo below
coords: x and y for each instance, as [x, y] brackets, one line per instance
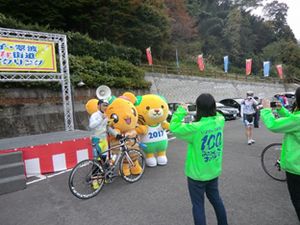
[191, 111]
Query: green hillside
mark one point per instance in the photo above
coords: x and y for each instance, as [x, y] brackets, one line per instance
[114, 34]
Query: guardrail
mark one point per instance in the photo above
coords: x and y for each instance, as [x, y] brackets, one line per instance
[208, 73]
[294, 80]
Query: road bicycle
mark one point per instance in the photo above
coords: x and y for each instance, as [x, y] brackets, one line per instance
[270, 160]
[87, 172]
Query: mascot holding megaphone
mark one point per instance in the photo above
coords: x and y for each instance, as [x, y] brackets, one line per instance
[121, 117]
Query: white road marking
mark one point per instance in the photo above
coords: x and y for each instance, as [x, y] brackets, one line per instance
[41, 177]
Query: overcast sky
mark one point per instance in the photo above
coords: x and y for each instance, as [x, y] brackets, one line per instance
[293, 16]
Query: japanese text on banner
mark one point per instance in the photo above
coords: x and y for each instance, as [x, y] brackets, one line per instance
[27, 55]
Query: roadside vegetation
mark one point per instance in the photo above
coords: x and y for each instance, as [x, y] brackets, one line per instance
[107, 39]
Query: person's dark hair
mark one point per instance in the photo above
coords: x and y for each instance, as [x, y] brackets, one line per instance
[100, 101]
[206, 106]
[297, 96]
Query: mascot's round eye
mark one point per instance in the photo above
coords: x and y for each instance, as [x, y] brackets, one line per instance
[133, 111]
[147, 107]
[162, 106]
[114, 117]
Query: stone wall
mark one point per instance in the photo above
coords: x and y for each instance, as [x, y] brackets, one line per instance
[25, 112]
[179, 88]
[35, 111]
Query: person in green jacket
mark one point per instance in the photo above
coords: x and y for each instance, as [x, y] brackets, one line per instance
[289, 125]
[203, 163]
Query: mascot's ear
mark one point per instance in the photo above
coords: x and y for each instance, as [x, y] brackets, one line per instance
[130, 96]
[111, 99]
[163, 98]
[138, 100]
[92, 106]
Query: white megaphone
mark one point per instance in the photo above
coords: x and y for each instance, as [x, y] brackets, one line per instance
[103, 92]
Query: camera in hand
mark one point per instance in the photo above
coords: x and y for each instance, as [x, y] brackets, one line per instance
[273, 104]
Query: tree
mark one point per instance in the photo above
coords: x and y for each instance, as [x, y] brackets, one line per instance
[276, 13]
[246, 5]
[182, 25]
[232, 35]
[263, 32]
[128, 22]
[286, 52]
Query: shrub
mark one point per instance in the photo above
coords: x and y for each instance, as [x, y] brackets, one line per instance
[87, 61]
[81, 45]
[113, 73]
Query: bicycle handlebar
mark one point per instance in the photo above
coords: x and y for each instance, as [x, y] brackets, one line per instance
[127, 138]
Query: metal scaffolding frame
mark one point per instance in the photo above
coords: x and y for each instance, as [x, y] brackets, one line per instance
[63, 76]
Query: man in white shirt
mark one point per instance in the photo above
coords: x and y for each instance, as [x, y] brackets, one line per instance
[248, 109]
[98, 124]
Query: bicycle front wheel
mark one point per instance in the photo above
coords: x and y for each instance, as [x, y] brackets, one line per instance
[132, 165]
[270, 160]
[86, 179]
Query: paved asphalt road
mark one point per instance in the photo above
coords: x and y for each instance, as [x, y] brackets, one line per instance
[161, 197]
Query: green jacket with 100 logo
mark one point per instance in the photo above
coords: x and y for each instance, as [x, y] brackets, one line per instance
[205, 144]
[289, 124]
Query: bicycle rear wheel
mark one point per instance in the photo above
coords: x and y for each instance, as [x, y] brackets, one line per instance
[132, 165]
[86, 179]
[270, 160]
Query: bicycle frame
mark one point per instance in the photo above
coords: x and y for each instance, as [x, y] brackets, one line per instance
[111, 169]
[83, 175]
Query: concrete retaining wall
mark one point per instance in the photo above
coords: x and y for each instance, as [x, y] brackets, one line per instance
[179, 88]
[35, 111]
[25, 112]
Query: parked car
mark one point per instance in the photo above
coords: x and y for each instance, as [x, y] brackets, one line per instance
[191, 111]
[290, 96]
[229, 113]
[172, 108]
[233, 102]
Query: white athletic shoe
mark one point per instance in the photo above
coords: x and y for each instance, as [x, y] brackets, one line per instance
[252, 141]
[249, 142]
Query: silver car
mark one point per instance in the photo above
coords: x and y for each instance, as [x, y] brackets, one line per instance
[229, 113]
[191, 111]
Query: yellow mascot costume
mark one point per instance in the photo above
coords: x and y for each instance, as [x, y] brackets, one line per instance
[153, 111]
[123, 117]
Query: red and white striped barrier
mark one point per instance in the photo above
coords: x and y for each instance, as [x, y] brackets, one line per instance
[54, 157]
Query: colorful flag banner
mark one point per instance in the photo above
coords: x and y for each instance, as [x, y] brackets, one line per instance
[149, 56]
[248, 66]
[226, 62]
[266, 68]
[201, 63]
[177, 61]
[27, 55]
[279, 71]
